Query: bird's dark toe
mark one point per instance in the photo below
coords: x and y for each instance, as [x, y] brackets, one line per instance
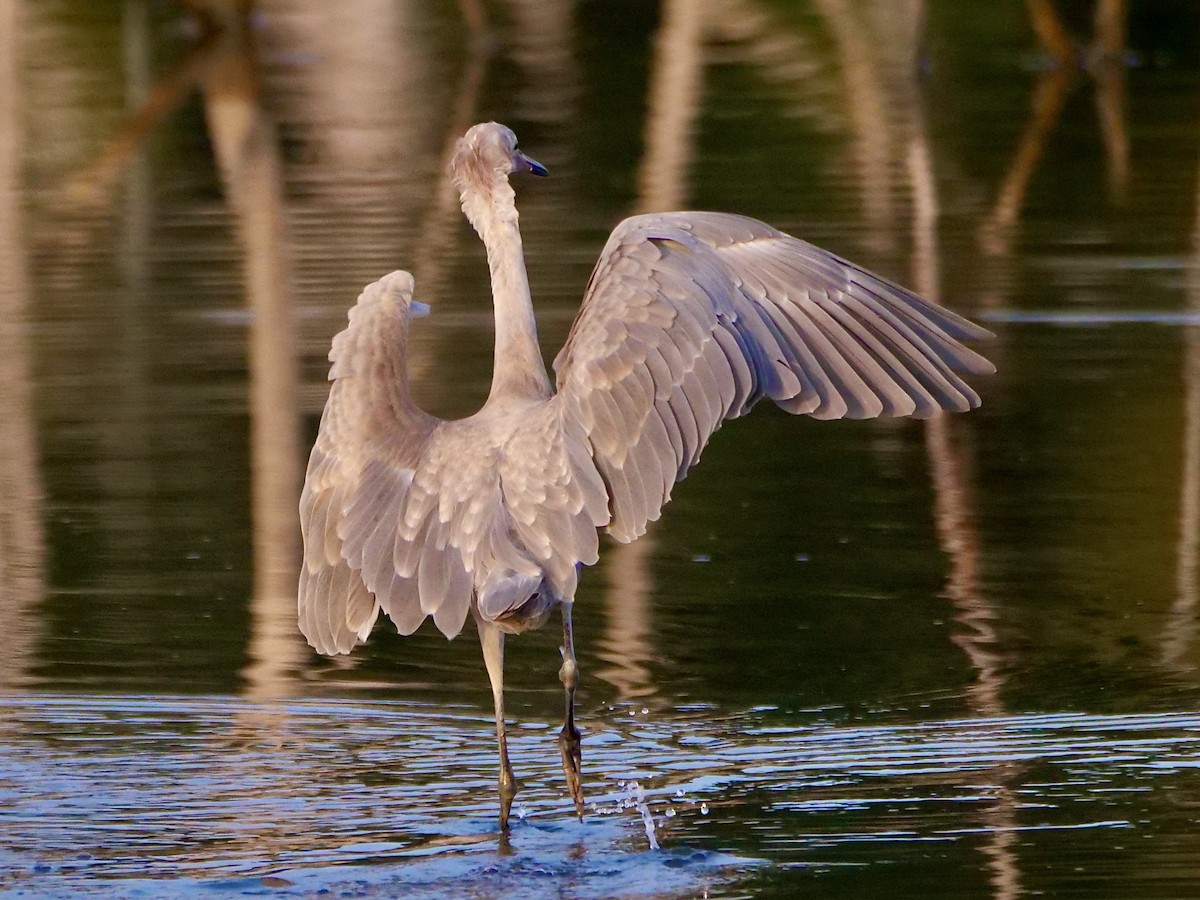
[569, 742]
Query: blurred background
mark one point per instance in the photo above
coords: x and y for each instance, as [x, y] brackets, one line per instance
[957, 656]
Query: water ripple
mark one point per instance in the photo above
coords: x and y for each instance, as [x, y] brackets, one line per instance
[219, 792]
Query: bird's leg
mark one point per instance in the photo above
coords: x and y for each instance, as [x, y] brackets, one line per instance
[568, 738]
[492, 639]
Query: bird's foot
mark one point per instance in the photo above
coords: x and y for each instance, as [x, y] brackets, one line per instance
[572, 757]
[508, 790]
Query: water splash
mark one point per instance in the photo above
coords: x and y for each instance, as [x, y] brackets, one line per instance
[643, 808]
[630, 796]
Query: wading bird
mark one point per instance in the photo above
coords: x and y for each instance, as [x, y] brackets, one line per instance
[690, 318]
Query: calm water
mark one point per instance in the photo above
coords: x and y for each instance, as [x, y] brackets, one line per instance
[956, 659]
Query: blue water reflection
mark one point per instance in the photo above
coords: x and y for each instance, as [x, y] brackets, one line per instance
[103, 793]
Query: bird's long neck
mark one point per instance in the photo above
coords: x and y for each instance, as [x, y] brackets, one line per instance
[518, 370]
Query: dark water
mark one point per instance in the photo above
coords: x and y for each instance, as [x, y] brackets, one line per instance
[956, 659]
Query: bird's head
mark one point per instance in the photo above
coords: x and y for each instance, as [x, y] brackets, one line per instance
[488, 152]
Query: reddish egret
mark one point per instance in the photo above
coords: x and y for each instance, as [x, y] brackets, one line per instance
[690, 318]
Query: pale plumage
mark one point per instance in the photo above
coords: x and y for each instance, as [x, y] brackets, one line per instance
[689, 319]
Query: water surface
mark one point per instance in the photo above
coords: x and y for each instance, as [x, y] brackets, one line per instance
[954, 659]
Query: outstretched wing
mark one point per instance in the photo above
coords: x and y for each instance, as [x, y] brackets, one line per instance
[369, 442]
[691, 318]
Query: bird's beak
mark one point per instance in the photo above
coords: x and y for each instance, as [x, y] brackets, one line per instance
[418, 310]
[522, 163]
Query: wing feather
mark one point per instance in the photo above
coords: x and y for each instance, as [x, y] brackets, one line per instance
[742, 364]
[900, 359]
[720, 373]
[876, 363]
[688, 427]
[948, 390]
[674, 434]
[847, 357]
[840, 388]
[401, 601]
[654, 446]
